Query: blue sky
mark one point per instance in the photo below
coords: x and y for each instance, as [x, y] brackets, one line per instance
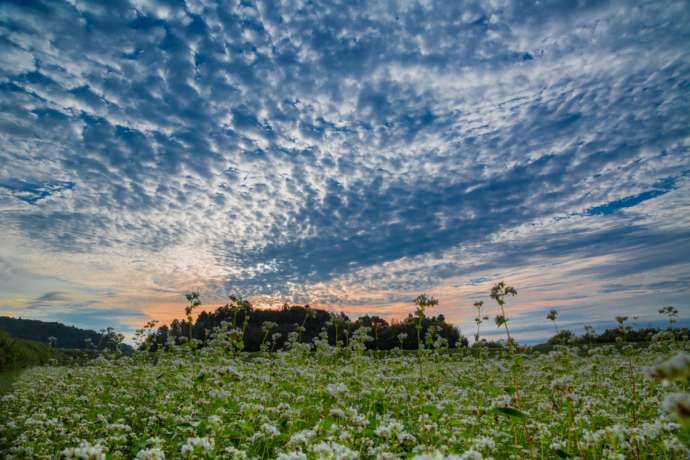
[347, 154]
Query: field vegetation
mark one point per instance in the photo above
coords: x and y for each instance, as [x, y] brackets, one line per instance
[337, 396]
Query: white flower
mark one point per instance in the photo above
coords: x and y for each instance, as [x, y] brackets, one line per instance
[297, 455]
[436, 455]
[557, 444]
[561, 383]
[678, 404]
[197, 445]
[233, 453]
[471, 455]
[335, 389]
[502, 401]
[483, 443]
[389, 428]
[85, 451]
[154, 441]
[269, 429]
[119, 427]
[150, 454]
[301, 437]
[333, 451]
[406, 438]
[674, 368]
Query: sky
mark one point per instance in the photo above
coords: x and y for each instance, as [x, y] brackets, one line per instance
[350, 155]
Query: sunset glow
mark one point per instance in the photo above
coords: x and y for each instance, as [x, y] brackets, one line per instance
[346, 156]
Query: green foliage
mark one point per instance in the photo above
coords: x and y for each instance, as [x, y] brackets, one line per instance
[7, 378]
[563, 337]
[510, 411]
[19, 353]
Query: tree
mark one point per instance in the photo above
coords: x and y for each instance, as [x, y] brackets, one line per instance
[562, 337]
[375, 323]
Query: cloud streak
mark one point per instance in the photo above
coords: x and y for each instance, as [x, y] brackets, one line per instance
[346, 154]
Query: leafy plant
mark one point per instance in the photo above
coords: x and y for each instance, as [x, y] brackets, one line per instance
[423, 302]
[194, 302]
[479, 319]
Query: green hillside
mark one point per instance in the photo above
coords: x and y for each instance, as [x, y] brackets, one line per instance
[65, 337]
[20, 353]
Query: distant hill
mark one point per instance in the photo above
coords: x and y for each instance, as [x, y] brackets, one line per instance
[67, 337]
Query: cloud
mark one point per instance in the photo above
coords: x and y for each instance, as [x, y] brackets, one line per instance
[353, 153]
[97, 318]
[51, 297]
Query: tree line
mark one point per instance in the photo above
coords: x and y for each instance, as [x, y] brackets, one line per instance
[271, 329]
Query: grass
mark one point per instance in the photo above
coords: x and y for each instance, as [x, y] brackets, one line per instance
[7, 378]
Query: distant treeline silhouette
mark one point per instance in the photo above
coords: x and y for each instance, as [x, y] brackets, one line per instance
[61, 336]
[252, 329]
[614, 335]
[275, 325]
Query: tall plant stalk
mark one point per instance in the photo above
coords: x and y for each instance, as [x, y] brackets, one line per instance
[499, 293]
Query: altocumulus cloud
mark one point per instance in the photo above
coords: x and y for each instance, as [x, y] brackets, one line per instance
[323, 150]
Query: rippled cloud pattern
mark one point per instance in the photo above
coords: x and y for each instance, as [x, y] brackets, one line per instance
[348, 154]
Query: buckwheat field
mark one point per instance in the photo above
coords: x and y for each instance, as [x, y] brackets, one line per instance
[321, 402]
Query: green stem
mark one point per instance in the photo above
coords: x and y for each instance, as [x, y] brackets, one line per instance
[505, 323]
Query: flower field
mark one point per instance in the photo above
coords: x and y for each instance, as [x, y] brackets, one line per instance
[605, 402]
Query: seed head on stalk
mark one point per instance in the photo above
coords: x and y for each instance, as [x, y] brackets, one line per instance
[551, 316]
[479, 319]
[194, 301]
[499, 293]
[423, 302]
[671, 312]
